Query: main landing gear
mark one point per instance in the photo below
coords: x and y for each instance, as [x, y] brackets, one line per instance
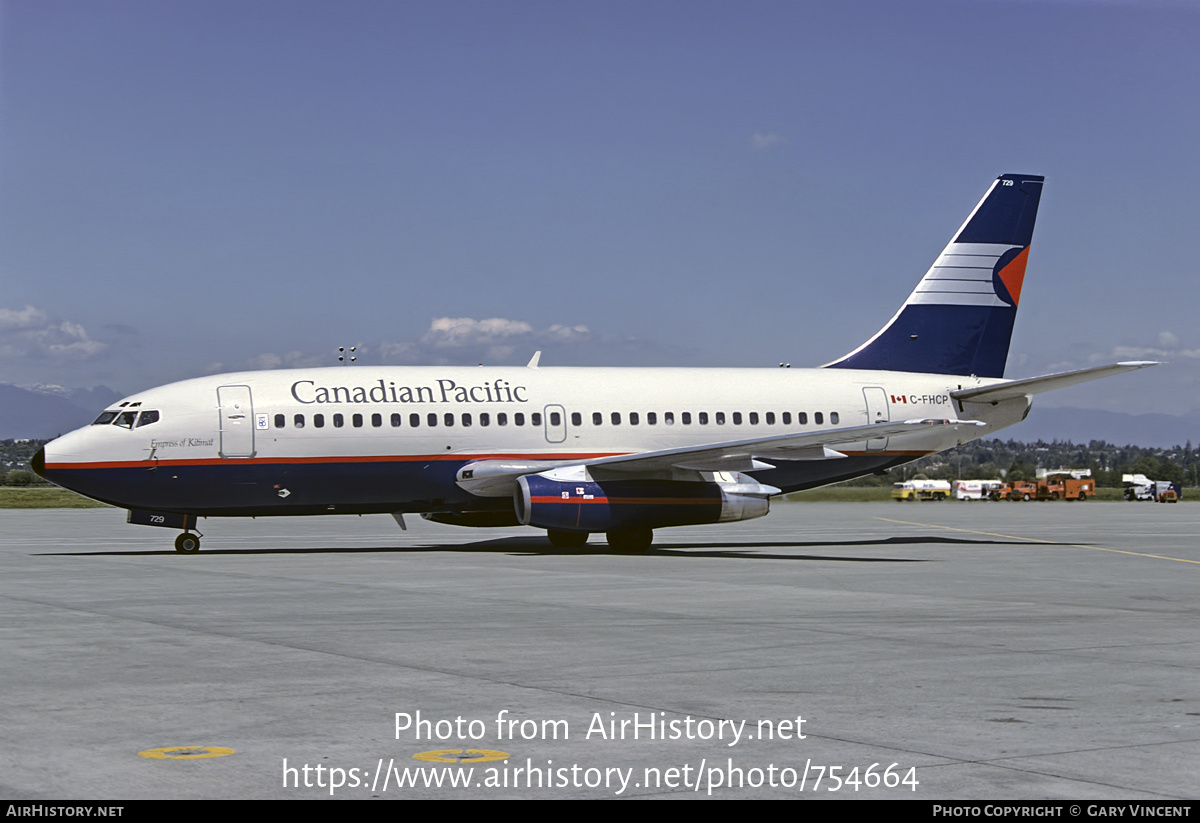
[630, 541]
[187, 543]
[626, 541]
[567, 540]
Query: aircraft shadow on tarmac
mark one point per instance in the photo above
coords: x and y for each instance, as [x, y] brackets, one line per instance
[540, 547]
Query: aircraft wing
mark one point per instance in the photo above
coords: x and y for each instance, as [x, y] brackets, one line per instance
[492, 477]
[1035, 385]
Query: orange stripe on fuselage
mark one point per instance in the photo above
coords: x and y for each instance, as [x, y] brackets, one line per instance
[382, 458]
[272, 461]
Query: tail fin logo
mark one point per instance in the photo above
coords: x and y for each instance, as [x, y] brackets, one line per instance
[1009, 274]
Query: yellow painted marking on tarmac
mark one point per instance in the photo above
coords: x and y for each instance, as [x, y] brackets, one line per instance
[1040, 540]
[461, 755]
[185, 752]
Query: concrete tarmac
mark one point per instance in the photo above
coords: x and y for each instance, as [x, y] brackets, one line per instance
[957, 651]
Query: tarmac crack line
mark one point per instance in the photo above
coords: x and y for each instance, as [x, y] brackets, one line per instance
[1039, 540]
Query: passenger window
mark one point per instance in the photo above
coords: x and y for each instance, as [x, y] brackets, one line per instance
[597, 418]
[280, 421]
[338, 420]
[787, 418]
[518, 419]
[737, 418]
[501, 418]
[318, 421]
[148, 417]
[485, 419]
[753, 418]
[431, 419]
[833, 418]
[105, 418]
[651, 418]
[298, 421]
[357, 421]
[802, 418]
[703, 418]
[669, 418]
[466, 418]
[396, 420]
[576, 419]
[686, 417]
[555, 419]
[414, 420]
[770, 418]
[377, 420]
[616, 418]
[818, 418]
[448, 418]
[633, 418]
[720, 418]
[535, 419]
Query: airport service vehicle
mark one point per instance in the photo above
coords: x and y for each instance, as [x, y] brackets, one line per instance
[976, 489]
[1016, 491]
[1141, 487]
[921, 490]
[577, 451]
[1065, 487]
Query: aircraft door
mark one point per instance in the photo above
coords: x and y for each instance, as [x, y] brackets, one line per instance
[237, 421]
[877, 412]
[556, 424]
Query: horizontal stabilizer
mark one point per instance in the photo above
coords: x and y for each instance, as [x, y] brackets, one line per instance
[1036, 385]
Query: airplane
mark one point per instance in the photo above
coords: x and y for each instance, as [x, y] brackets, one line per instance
[577, 451]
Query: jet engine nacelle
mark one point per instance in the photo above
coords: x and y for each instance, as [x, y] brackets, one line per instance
[571, 500]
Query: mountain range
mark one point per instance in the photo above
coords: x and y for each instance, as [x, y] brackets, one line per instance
[38, 412]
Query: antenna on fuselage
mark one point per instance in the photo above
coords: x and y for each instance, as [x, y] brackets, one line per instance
[533, 361]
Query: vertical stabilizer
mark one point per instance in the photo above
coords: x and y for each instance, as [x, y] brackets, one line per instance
[959, 319]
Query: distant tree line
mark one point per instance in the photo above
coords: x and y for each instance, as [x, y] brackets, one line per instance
[1014, 460]
[14, 462]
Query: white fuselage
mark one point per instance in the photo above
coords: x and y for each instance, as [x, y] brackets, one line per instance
[357, 439]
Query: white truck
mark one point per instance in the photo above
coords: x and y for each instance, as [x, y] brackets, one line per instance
[1141, 487]
[975, 489]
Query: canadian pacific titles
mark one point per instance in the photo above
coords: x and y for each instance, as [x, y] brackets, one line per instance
[386, 391]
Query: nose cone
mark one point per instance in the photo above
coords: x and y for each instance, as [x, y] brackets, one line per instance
[38, 463]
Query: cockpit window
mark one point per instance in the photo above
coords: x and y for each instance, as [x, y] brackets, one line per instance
[105, 418]
[125, 419]
[146, 418]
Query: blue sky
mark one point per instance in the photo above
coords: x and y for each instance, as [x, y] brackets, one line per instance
[189, 187]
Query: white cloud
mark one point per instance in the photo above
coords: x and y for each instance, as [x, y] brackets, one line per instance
[491, 341]
[288, 360]
[1168, 348]
[763, 142]
[32, 333]
[464, 331]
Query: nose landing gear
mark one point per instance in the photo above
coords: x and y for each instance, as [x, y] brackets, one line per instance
[187, 543]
